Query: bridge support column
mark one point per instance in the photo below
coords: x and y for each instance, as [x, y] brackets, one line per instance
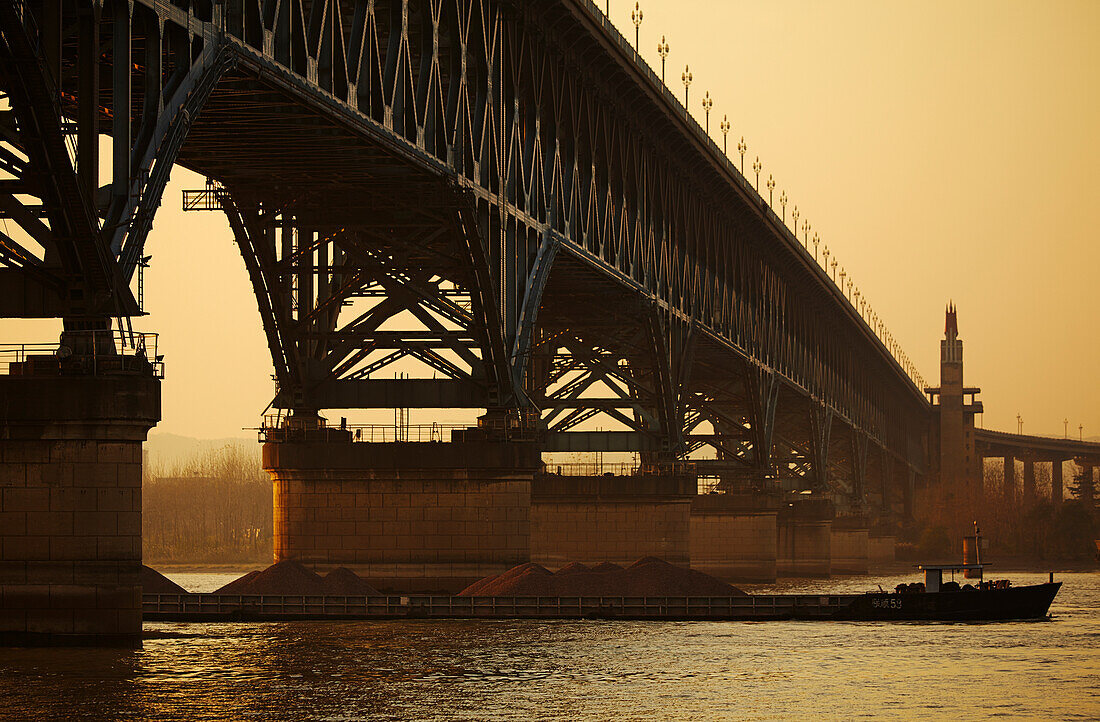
[618, 519]
[1009, 486]
[880, 549]
[804, 539]
[849, 546]
[1056, 482]
[70, 506]
[733, 536]
[1086, 486]
[408, 516]
[1029, 481]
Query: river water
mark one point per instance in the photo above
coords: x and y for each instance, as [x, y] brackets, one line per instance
[580, 669]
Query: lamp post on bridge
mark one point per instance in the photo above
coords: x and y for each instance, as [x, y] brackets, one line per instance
[816, 242]
[842, 275]
[1066, 422]
[1019, 424]
[1081, 432]
[662, 50]
[794, 215]
[707, 105]
[757, 167]
[825, 253]
[741, 148]
[771, 189]
[806, 234]
[636, 16]
[834, 270]
[724, 126]
[783, 202]
[686, 78]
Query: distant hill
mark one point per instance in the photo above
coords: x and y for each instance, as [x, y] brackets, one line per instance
[166, 450]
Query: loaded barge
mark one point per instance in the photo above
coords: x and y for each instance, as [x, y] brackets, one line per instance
[933, 600]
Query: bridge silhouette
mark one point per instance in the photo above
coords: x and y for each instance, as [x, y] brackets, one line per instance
[496, 198]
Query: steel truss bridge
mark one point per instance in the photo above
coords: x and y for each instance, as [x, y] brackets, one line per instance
[500, 190]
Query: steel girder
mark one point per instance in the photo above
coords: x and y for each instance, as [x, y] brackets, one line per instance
[72, 71]
[533, 127]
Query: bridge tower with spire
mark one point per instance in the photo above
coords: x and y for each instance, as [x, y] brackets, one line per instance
[954, 408]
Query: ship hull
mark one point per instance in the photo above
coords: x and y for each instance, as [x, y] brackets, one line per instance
[1015, 603]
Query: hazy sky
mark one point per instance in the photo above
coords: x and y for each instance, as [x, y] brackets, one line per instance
[943, 150]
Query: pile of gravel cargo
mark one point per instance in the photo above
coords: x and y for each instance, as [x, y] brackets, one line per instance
[291, 578]
[153, 582]
[647, 577]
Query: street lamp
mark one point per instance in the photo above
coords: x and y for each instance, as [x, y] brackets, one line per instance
[842, 275]
[1019, 424]
[707, 105]
[636, 16]
[662, 50]
[834, 270]
[725, 128]
[794, 215]
[1066, 422]
[783, 202]
[806, 233]
[1081, 432]
[741, 148]
[757, 167]
[771, 189]
[825, 253]
[686, 78]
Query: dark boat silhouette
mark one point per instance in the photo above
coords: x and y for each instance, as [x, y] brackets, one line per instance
[936, 600]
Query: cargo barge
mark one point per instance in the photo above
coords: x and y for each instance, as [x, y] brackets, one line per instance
[992, 602]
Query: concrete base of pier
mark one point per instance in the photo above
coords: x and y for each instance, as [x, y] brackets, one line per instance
[618, 519]
[733, 537]
[70, 508]
[880, 549]
[804, 538]
[408, 516]
[849, 549]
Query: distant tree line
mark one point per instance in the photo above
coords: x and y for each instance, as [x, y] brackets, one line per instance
[1017, 528]
[210, 509]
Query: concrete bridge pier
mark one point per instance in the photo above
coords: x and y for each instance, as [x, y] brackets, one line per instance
[804, 538]
[1029, 481]
[1009, 484]
[1056, 482]
[1086, 485]
[70, 499]
[611, 518]
[410, 516]
[849, 545]
[734, 537]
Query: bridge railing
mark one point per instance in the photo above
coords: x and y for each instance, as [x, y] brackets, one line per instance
[277, 430]
[845, 287]
[85, 353]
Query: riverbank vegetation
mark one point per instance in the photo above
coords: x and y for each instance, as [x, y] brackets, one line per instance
[211, 508]
[1016, 528]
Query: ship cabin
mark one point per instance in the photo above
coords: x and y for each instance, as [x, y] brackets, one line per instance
[933, 574]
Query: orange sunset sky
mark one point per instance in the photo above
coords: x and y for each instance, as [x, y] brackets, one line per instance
[942, 150]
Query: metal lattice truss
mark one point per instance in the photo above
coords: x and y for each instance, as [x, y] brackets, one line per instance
[499, 190]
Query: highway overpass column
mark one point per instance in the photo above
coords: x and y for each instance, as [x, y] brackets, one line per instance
[71, 431]
[1010, 478]
[1086, 487]
[1056, 481]
[1029, 481]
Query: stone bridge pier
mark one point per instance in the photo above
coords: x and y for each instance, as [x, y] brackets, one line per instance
[611, 518]
[804, 538]
[409, 516]
[70, 498]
